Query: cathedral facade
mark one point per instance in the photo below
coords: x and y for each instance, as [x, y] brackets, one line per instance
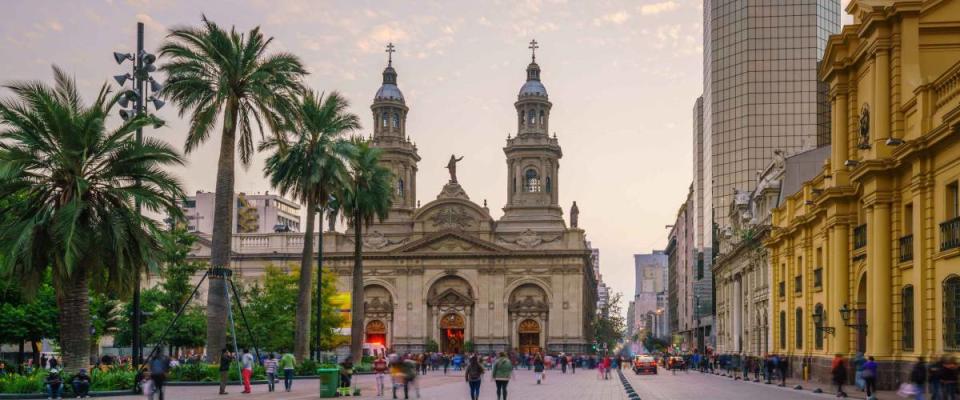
[447, 274]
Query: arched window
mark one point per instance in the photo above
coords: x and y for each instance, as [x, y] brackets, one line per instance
[783, 329]
[532, 117]
[818, 331]
[908, 318]
[549, 185]
[531, 182]
[384, 120]
[951, 313]
[799, 328]
[400, 188]
[541, 118]
[396, 120]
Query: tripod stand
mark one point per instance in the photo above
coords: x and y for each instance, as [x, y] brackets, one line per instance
[221, 273]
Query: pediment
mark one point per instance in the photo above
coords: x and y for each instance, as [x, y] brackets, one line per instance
[450, 297]
[450, 242]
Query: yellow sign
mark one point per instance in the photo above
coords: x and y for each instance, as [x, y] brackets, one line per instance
[341, 302]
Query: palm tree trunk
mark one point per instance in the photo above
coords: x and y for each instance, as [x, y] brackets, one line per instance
[356, 327]
[301, 340]
[319, 311]
[222, 236]
[74, 304]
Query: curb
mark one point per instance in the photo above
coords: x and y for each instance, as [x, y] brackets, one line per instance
[632, 394]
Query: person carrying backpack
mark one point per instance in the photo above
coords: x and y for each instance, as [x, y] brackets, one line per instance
[473, 376]
[502, 372]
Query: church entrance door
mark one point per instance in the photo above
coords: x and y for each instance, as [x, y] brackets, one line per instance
[376, 333]
[451, 333]
[529, 335]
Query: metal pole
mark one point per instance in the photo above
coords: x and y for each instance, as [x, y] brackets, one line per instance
[163, 337]
[319, 281]
[138, 83]
[236, 295]
[233, 328]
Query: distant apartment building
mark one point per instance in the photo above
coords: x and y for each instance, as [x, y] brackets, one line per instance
[252, 213]
[650, 307]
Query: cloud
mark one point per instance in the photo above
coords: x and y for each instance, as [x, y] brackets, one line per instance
[616, 18]
[54, 25]
[657, 8]
[151, 24]
[381, 35]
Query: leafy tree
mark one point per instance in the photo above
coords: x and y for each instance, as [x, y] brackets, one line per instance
[78, 182]
[368, 197]
[311, 167]
[106, 316]
[609, 324]
[27, 319]
[211, 72]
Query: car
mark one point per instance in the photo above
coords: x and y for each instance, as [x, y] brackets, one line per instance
[675, 362]
[644, 364]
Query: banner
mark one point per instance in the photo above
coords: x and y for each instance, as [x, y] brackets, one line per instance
[341, 301]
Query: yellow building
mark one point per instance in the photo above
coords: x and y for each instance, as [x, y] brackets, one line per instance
[865, 255]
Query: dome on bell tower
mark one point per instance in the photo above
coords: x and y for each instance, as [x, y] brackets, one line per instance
[533, 86]
[389, 90]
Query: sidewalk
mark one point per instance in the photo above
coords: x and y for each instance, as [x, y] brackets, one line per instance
[808, 386]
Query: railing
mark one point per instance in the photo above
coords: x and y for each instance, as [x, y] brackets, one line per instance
[782, 288]
[860, 236]
[906, 248]
[950, 234]
[798, 283]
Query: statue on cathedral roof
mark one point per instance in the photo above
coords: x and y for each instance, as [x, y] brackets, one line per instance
[452, 167]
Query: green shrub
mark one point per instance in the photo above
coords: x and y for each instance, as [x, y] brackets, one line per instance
[307, 367]
[15, 383]
[112, 379]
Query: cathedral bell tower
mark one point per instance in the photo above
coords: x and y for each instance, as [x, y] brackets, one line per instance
[532, 160]
[389, 134]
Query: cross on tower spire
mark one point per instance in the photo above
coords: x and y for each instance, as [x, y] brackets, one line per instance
[390, 51]
[533, 49]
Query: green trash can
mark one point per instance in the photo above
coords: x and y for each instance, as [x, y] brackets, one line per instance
[329, 381]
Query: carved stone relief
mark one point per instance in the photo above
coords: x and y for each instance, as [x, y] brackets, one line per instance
[451, 218]
[529, 239]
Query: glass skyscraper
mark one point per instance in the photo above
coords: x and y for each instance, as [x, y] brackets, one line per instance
[760, 90]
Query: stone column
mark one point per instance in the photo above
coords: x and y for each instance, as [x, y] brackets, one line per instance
[839, 135]
[737, 301]
[881, 114]
[838, 286]
[880, 282]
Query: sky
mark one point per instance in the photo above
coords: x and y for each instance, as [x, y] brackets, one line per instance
[622, 77]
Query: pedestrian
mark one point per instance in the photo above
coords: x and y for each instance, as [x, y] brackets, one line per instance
[870, 376]
[225, 359]
[158, 373]
[473, 376]
[784, 366]
[287, 363]
[563, 363]
[53, 383]
[246, 372]
[948, 379]
[538, 368]
[839, 371]
[573, 363]
[146, 385]
[918, 378]
[346, 375]
[270, 368]
[379, 372]
[858, 362]
[607, 365]
[502, 372]
[81, 384]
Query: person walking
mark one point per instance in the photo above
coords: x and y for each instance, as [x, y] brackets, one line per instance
[270, 368]
[918, 378]
[948, 379]
[246, 372]
[839, 371]
[784, 366]
[858, 362]
[287, 363]
[573, 364]
[934, 373]
[158, 373]
[225, 359]
[538, 368]
[379, 373]
[562, 359]
[502, 372]
[473, 376]
[870, 377]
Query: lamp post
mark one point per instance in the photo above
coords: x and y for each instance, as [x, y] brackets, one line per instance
[139, 77]
[818, 322]
[845, 312]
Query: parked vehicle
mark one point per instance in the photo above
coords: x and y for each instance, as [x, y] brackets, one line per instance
[644, 364]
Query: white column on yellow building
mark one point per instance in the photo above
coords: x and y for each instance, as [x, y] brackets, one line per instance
[839, 285]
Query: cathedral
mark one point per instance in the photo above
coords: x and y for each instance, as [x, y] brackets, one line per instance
[446, 274]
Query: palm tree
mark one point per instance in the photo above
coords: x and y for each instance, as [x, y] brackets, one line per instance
[311, 167]
[212, 71]
[368, 196]
[76, 183]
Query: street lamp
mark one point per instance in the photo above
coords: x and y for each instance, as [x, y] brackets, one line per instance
[142, 65]
[845, 314]
[818, 321]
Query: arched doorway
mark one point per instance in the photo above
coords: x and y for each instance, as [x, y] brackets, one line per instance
[376, 332]
[451, 333]
[861, 317]
[529, 334]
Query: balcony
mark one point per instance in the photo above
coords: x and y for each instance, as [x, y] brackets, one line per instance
[798, 284]
[950, 234]
[782, 289]
[906, 248]
[860, 237]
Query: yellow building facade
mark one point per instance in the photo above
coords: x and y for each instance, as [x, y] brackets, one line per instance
[866, 256]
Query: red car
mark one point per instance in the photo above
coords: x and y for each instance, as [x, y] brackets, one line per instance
[644, 365]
